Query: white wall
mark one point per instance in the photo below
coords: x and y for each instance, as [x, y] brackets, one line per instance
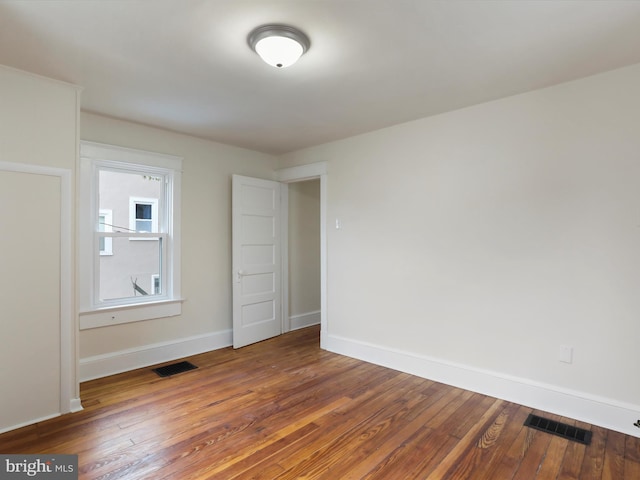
[475, 243]
[304, 253]
[38, 147]
[205, 322]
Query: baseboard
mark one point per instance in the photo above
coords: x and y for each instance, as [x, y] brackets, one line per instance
[600, 411]
[75, 405]
[304, 320]
[28, 422]
[124, 360]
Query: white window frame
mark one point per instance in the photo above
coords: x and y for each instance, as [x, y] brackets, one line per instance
[93, 312]
[107, 227]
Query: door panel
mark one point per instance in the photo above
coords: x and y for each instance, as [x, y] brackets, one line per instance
[256, 260]
[30, 297]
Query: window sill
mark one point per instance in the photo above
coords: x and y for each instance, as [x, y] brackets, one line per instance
[108, 316]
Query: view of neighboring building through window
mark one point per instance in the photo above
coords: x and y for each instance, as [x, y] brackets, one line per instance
[136, 202]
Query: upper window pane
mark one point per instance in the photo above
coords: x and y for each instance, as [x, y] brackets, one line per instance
[143, 211]
[134, 198]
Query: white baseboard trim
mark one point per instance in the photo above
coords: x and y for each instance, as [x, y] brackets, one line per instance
[600, 411]
[75, 406]
[304, 320]
[28, 422]
[124, 360]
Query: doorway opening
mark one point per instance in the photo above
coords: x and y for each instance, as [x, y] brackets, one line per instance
[309, 194]
[303, 255]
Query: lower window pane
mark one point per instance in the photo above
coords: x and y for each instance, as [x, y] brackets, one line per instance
[144, 226]
[134, 269]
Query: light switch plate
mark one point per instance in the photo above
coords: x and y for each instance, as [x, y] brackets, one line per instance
[566, 354]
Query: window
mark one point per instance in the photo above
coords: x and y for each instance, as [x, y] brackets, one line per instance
[155, 284]
[143, 214]
[105, 219]
[129, 242]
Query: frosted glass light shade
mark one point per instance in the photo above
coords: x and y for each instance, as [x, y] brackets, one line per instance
[279, 51]
[278, 45]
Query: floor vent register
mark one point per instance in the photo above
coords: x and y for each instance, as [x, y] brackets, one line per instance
[563, 430]
[174, 369]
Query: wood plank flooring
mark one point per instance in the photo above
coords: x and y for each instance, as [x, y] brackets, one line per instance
[284, 409]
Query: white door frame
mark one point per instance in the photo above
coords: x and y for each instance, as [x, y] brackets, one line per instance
[299, 174]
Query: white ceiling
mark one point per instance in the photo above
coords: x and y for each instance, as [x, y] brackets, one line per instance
[184, 65]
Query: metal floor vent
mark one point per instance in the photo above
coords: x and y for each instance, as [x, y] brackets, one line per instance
[563, 430]
[174, 368]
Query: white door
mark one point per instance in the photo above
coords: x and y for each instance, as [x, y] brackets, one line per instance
[256, 260]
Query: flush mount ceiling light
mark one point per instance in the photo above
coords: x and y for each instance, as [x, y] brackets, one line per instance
[278, 45]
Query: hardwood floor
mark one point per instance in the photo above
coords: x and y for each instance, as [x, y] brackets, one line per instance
[284, 409]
